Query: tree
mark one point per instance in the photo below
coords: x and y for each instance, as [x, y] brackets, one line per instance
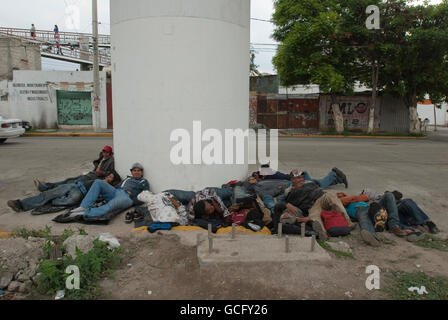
[315, 47]
[327, 43]
[417, 62]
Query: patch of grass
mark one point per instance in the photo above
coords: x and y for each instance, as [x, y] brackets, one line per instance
[397, 285]
[94, 265]
[433, 242]
[337, 253]
[26, 233]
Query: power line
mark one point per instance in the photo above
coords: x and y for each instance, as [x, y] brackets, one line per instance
[263, 20]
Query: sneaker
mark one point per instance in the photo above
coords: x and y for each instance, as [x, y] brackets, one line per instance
[129, 217]
[369, 238]
[432, 227]
[319, 230]
[15, 205]
[342, 176]
[398, 232]
[422, 228]
[415, 236]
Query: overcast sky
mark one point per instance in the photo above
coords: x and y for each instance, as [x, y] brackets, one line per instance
[46, 13]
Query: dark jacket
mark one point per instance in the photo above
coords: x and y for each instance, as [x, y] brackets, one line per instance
[305, 197]
[108, 166]
[135, 187]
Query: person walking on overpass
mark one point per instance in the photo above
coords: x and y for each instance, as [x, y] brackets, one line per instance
[56, 32]
[33, 30]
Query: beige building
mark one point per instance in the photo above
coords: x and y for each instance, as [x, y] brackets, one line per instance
[16, 54]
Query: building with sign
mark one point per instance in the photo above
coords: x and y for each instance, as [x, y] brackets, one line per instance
[54, 99]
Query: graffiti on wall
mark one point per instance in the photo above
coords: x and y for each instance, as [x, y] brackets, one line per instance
[74, 108]
[354, 109]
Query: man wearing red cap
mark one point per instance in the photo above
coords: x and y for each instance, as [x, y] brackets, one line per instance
[103, 166]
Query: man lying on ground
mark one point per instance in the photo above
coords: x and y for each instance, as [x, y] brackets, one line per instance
[312, 200]
[119, 198]
[211, 197]
[103, 166]
[210, 211]
[275, 191]
[66, 195]
[224, 194]
[335, 176]
[412, 215]
[379, 216]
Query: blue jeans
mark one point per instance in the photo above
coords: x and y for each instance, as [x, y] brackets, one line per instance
[364, 220]
[82, 178]
[270, 202]
[329, 180]
[239, 192]
[117, 199]
[63, 196]
[388, 203]
[182, 196]
[410, 213]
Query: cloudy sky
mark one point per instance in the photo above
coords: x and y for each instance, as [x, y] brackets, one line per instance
[46, 13]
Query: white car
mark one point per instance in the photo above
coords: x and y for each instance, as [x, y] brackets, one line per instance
[10, 128]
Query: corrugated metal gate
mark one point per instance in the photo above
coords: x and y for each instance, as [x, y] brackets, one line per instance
[294, 112]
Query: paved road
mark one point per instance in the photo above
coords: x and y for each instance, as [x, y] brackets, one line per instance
[417, 168]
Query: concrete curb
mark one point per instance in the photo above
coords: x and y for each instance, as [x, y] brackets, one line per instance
[349, 137]
[106, 134]
[67, 134]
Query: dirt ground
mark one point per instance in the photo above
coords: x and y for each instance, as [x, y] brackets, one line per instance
[169, 268]
[161, 264]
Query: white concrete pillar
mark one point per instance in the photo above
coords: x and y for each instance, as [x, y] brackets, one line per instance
[175, 62]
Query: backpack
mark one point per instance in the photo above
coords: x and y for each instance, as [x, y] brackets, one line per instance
[238, 217]
[335, 223]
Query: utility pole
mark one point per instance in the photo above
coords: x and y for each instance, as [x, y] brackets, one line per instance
[96, 68]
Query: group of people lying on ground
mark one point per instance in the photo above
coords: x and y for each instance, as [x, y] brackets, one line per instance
[266, 199]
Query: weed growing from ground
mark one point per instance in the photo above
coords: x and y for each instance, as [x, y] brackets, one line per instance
[433, 242]
[399, 282]
[93, 265]
[337, 253]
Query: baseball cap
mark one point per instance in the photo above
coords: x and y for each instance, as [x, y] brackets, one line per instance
[107, 149]
[137, 166]
[296, 173]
